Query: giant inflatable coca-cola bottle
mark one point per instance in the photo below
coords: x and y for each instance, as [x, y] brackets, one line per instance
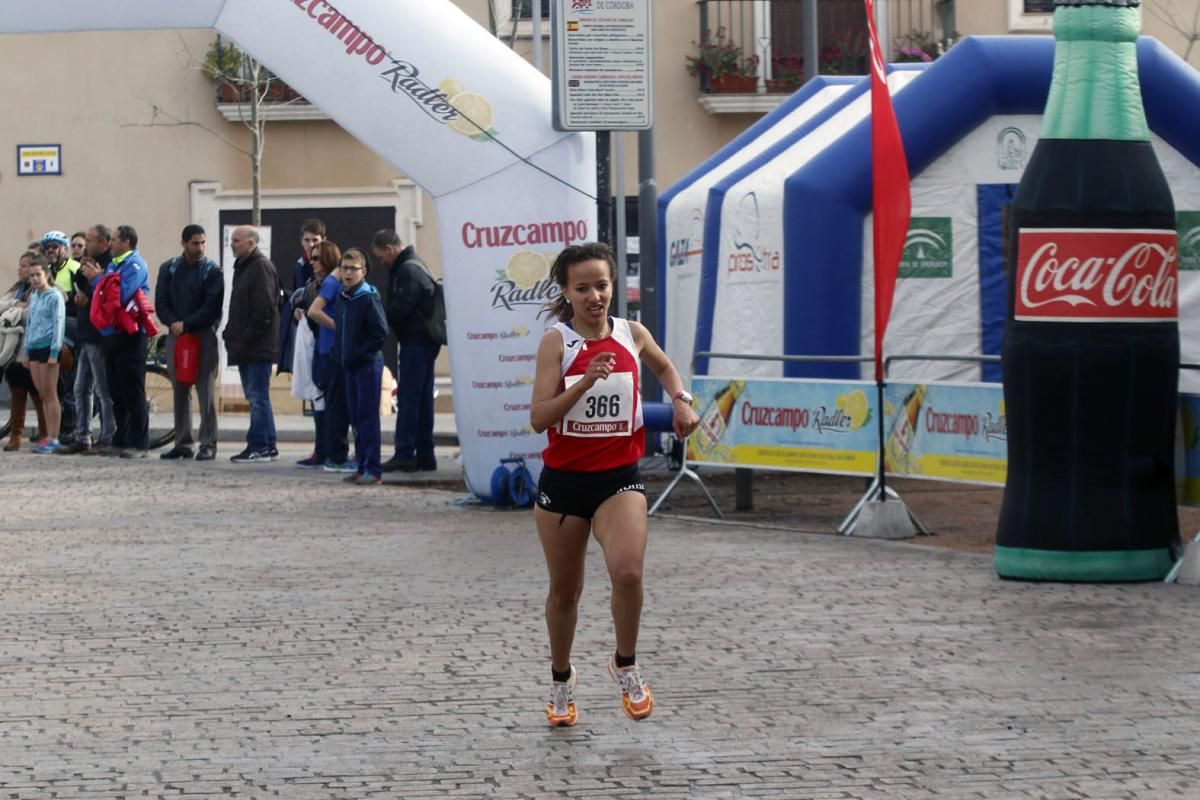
[1091, 345]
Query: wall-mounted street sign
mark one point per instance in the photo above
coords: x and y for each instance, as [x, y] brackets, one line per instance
[39, 159]
[603, 71]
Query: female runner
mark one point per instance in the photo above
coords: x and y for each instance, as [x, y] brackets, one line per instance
[586, 395]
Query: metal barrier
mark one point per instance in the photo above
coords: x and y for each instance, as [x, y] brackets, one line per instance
[686, 471]
[877, 488]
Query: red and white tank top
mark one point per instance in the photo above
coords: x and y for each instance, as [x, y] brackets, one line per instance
[603, 430]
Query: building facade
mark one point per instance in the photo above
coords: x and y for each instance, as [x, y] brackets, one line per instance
[145, 138]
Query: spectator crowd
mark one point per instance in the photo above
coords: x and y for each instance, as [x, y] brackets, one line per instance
[82, 318]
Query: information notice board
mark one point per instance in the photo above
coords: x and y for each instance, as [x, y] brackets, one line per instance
[602, 65]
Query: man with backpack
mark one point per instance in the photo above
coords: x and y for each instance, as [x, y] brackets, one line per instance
[188, 296]
[413, 311]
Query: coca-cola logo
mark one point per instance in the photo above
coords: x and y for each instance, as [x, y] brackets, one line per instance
[1097, 275]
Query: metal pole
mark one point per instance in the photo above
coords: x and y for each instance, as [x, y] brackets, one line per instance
[882, 26]
[604, 186]
[648, 251]
[743, 489]
[537, 34]
[812, 47]
[622, 277]
[883, 490]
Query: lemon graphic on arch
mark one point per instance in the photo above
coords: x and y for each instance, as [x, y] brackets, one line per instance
[476, 114]
[450, 87]
[525, 268]
[856, 407]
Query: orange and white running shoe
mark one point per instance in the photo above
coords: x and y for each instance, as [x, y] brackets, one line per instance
[636, 698]
[560, 711]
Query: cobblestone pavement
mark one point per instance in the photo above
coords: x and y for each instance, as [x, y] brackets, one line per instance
[214, 630]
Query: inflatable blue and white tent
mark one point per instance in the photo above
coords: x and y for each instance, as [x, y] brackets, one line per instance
[682, 207]
[970, 122]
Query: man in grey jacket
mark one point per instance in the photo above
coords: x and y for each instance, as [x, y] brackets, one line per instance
[188, 298]
[252, 339]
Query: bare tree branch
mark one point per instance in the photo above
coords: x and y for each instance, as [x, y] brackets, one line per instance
[169, 120]
[1169, 14]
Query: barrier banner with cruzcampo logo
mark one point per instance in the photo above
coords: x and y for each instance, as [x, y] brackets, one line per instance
[799, 425]
[1189, 435]
[946, 432]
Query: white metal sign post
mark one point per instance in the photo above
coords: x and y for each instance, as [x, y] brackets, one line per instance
[602, 65]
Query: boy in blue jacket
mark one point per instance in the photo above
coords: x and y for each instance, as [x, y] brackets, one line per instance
[357, 345]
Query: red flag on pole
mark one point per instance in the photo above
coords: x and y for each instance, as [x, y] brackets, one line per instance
[889, 184]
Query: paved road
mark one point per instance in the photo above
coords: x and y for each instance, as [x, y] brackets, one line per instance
[213, 630]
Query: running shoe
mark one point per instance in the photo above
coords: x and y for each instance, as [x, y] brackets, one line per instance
[635, 692]
[312, 462]
[345, 466]
[48, 446]
[560, 711]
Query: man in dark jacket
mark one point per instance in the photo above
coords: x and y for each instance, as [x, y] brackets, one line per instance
[410, 301]
[188, 297]
[90, 374]
[252, 339]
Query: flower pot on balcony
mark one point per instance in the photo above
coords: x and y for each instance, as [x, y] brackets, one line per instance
[733, 84]
[781, 86]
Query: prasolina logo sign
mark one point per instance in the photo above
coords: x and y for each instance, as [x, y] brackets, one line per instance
[1189, 240]
[928, 249]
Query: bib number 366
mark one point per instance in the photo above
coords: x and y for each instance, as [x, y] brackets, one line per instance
[606, 409]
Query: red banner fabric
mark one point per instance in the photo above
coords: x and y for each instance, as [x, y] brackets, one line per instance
[889, 184]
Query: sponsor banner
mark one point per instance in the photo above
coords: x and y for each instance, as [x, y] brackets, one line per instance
[946, 431]
[497, 249]
[799, 425]
[1097, 275]
[1189, 434]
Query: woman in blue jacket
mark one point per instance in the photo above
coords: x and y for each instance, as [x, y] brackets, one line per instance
[45, 325]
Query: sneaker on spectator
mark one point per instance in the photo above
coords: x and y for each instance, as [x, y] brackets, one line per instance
[176, 453]
[206, 453]
[312, 462]
[133, 452]
[351, 478]
[345, 466]
[107, 450]
[560, 711]
[367, 479]
[249, 455]
[273, 453]
[47, 446]
[636, 698]
[74, 448]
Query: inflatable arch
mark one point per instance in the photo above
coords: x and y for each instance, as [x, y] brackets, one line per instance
[505, 199]
[969, 122]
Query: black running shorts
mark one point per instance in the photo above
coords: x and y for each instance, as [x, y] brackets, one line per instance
[579, 494]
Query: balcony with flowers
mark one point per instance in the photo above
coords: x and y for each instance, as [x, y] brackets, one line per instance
[750, 54]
